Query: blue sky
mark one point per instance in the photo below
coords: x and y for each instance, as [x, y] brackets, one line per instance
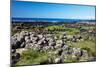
[46, 10]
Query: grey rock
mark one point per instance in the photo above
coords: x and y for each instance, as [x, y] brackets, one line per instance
[23, 45]
[13, 50]
[57, 60]
[17, 55]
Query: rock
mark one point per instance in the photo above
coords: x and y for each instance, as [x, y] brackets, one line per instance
[64, 53]
[27, 38]
[32, 33]
[29, 45]
[32, 36]
[55, 38]
[13, 50]
[65, 47]
[16, 35]
[17, 55]
[27, 33]
[46, 48]
[51, 40]
[45, 43]
[12, 57]
[74, 40]
[50, 60]
[84, 53]
[36, 38]
[22, 33]
[20, 38]
[20, 50]
[15, 58]
[16, 44]
[23, 45]
[40, 36]
[59, 44]
[58, 51]
[61, 37]
[40, 42]
[28, 41]
[13, 62]
[77, 52]
[34, 42]
[38, 47]
[57, 60]
[52, 43]
[51, 47]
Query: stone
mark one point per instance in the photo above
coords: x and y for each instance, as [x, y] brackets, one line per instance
[16, 44]
[29, 45]
[52, 43]
[40, 42]
[77, 52]
[84, 53]
[58, 51]
[55, 38]
[17, 55]
[65, 47]
[46, 48]
[59, 44]
[40, 36]
[13, 62]
[36, 38]
[22, 45]
[57, 60]
[64, 53]
[13, 50]
[27, 37]
[74, 40]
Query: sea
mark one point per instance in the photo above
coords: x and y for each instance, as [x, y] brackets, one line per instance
[50, 20]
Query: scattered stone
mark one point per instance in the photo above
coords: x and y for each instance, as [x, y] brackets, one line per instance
[56, 45]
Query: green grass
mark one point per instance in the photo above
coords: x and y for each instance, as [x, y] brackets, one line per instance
[87, 45]
[70, 59]
[32, 57]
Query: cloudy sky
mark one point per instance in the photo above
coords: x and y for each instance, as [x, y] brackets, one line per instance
[25, 9]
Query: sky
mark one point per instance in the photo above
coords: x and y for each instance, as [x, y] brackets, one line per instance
[23, 9]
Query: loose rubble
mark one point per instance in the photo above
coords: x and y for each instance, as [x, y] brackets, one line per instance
[46, 42]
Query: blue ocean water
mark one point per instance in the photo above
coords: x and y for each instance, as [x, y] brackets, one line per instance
[50, 20]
